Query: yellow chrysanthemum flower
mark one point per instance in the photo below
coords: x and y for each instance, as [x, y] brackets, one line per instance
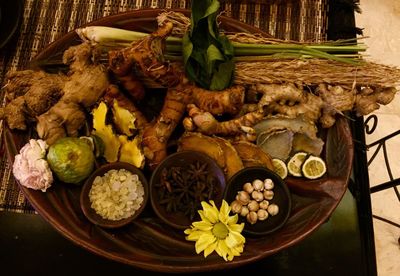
[217, 231]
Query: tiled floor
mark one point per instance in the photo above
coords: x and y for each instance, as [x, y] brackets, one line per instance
[380, 20]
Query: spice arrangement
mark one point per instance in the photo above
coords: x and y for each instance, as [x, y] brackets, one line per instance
[254, 120]
[183, 188]
[254, 201]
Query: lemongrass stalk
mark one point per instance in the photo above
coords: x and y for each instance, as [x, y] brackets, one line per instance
[110, 36]
[113, 37]
[342, 49]
[273, 47]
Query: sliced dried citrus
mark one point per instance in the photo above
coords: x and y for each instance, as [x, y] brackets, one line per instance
[295, 162]
[314, 167]
[280, 168]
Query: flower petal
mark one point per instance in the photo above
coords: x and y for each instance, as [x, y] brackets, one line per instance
[232, 219]
[210, 249]
[236, 227]
[203, 216]
[202, 225]
[195, 235]
[237, 250]
[222, 249]
[204, 241]
[224, 211]
[188, 231]
[234, 239]
[210, 212]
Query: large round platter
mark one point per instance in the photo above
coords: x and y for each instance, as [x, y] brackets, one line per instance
[149, 243]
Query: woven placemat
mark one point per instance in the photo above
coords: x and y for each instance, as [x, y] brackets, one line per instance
[44, 21]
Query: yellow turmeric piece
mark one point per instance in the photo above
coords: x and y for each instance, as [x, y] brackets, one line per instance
[106, 133]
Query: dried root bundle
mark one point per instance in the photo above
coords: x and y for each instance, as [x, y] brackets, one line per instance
[316, 71]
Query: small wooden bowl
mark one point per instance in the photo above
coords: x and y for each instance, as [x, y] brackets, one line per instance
[178, 219]
[282, 198]
[91, 214]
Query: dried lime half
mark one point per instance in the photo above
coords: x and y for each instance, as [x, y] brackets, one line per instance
[314, 167]
[295, 163]
[280, 168]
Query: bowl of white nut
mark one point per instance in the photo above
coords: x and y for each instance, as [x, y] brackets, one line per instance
[114, 195]
[261, 199]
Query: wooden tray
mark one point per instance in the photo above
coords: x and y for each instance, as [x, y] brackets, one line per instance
[150, 244]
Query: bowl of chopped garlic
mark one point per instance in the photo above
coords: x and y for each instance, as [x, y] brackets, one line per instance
[260, 198]
[114, 195]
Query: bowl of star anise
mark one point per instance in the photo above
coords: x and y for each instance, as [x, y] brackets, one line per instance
[180, 183]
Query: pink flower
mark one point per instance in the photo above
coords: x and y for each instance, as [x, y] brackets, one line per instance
[30, 167]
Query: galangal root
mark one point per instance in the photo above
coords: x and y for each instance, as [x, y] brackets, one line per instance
[324, 104]
[57, 102]
[204, 122]
[157, 134]
[30, 93]
[86, 83]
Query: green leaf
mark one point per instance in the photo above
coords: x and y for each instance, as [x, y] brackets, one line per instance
[227, 46]
[212, 8]
[199, 57]
[201, 9]
[207, 55]
[198, 10]
[213, 54]
[223, 76]
[187, 48]
[212, 26]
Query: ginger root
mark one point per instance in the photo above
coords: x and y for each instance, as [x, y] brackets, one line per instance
[14, 114]
[206, 123]
[288, 99]
[30, 93]
[126, 77]
[156, 135]
[369, 99]
[85, 85]
[65, 118]
[228, 101]
[324, 104]
[147, 55]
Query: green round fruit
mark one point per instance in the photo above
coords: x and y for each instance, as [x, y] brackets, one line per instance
[71, 159]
